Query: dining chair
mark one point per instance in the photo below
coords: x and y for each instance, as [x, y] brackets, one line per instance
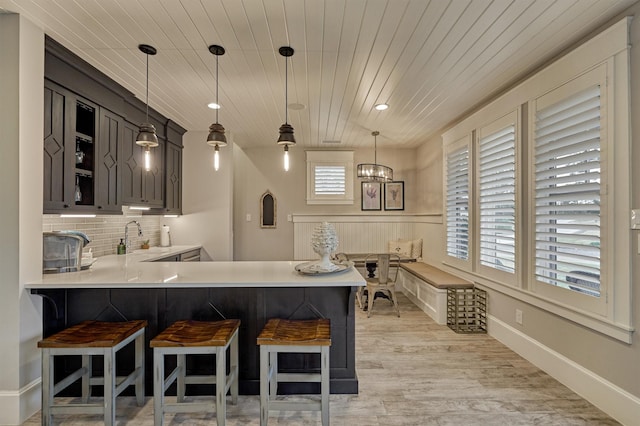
[384, 281]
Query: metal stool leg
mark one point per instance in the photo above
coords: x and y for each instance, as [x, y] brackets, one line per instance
[139, 354]
[47, 387]
[264, 385]
[234, 369]
[109, 388]
[86, 378]
[324, 384]
[158, 388]
[221, 385]
[182, 372]
[273, 374]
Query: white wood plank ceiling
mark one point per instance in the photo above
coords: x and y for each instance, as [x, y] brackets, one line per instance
[431, 61]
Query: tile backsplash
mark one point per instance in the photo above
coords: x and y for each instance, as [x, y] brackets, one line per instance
[106, 231]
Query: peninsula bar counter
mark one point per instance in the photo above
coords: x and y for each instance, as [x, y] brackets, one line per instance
[133, 286]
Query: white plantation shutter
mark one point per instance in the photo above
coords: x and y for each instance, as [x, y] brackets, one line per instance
[330, 180]
[496, 198]
[458, 203]
[329, 177]
[567, 192]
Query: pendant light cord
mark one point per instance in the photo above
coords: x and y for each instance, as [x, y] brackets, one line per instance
[147, 87]
[217, 76]
[286, 90]
[375, 149]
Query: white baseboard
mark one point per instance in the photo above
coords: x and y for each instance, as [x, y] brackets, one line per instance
[16, 407]
[613, 400]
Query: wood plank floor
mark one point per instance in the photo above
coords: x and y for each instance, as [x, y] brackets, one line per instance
[412, 372]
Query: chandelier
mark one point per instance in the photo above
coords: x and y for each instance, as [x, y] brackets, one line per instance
[374, 171]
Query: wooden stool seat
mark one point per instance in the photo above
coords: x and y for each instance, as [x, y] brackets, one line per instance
[293, 336]
[87, 339]
[93, 334]
[188, 333]
[303, 332]
[187, 337]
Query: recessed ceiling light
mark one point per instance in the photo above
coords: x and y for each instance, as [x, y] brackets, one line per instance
[213, 105]
[381, 107]
[296, 107]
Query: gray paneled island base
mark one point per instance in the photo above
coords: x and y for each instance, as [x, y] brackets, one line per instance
[129, 287]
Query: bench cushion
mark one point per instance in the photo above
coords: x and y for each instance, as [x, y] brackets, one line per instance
[434, 276]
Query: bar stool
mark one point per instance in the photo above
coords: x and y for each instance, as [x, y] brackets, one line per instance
[195, 337]
[91, 338]
[295, 336]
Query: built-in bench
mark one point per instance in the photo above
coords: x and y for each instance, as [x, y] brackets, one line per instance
[426, 286]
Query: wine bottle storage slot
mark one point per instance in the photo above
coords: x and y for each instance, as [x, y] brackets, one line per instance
[85, 133]
[85, 119]
[84, 155]
[84, 190]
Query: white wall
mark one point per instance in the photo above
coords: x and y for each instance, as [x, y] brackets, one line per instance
[260, 169]
[207, 199]
[22, 71]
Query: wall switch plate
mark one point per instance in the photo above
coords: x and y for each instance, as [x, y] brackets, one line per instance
[519, 316]
[289, 218]
[248, 217]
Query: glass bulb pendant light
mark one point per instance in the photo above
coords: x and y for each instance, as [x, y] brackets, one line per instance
[286, 130]
[216, 158]
[374, 171]
[147, 158]
[216, 136]
[147, 135]
[286, 158]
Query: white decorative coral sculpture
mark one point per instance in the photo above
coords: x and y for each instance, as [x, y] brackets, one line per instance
[324, 241]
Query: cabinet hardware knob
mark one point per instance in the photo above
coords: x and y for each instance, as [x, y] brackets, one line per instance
[66, 206]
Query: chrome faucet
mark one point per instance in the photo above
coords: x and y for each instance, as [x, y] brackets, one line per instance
[126, 234]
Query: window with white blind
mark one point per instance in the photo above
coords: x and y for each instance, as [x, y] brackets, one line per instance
[537, 207]
[457, 201]
[329, 177]
[568, 134]
[497, 194]
[329, 180]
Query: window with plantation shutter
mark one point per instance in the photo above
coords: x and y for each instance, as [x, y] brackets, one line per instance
[329, 177]
[497, 199]
[330, 180]
[567, 192]
[457, 184]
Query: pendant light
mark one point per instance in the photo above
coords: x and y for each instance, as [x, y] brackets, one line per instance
[286, 131]
[147, 135]
[216, 136]
[374, 171]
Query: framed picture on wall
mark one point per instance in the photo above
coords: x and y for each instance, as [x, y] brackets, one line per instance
[394, 195]
[371, 196]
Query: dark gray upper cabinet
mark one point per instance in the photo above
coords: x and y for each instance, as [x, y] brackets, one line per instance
[132, 167]
[154, 178]
[70, 149]
[107, 163]
[58, 151]
[173, 194]
[91, 160]
[139, 186]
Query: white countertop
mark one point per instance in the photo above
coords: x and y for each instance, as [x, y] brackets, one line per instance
[137, 270]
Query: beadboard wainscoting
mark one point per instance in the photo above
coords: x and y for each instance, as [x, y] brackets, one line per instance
[106, 231]
[358, 233]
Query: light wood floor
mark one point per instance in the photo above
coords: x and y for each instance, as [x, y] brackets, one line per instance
[412, 372]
